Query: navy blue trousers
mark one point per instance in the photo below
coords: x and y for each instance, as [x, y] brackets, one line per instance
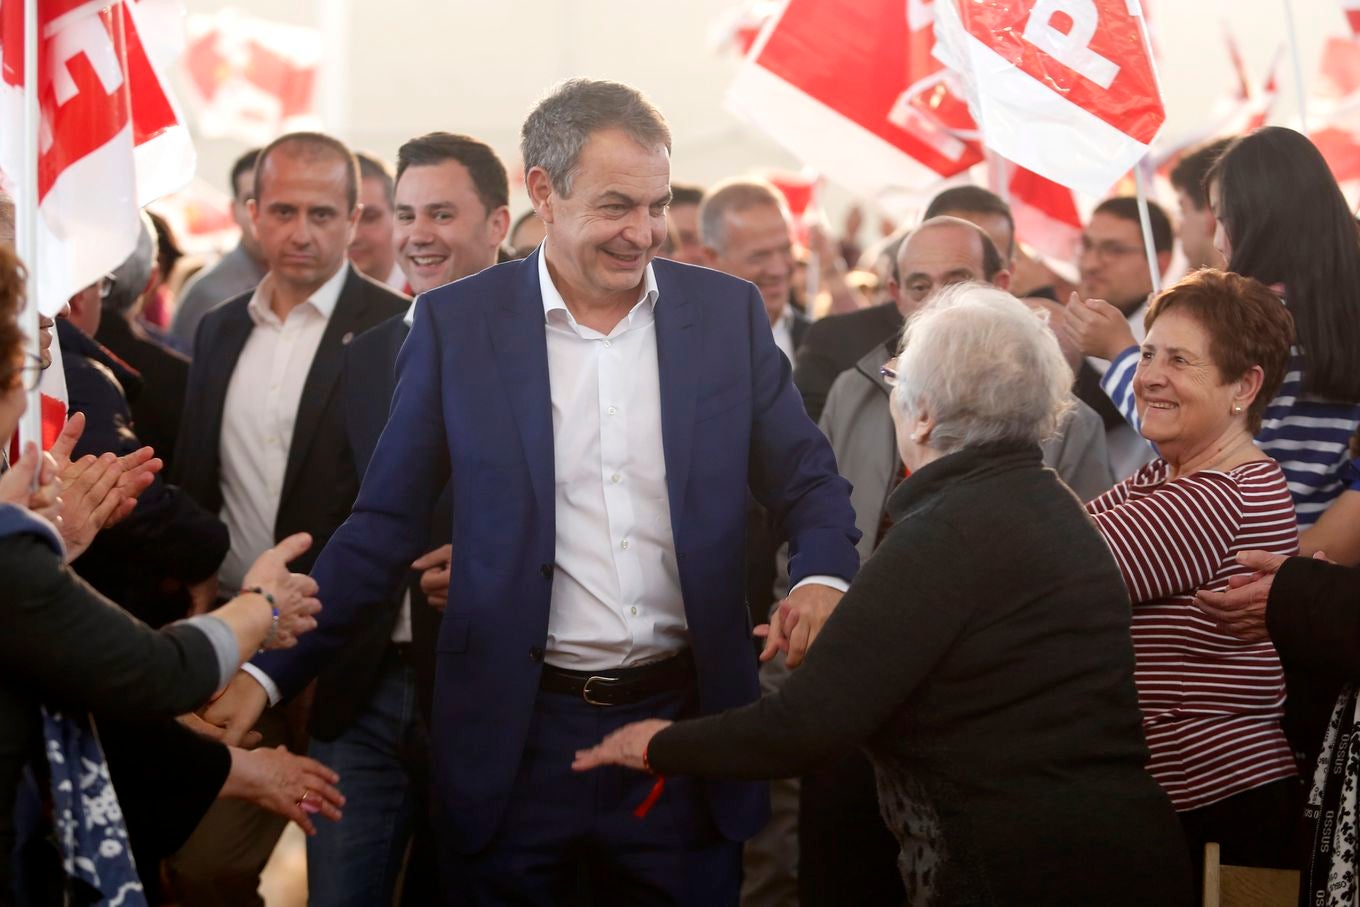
[572, 838]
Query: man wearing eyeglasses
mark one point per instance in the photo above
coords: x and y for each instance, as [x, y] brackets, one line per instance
[1106, 316]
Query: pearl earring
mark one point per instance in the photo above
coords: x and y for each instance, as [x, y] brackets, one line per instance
[1237, 410]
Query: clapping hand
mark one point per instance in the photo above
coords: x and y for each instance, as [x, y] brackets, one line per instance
[1096, 328]
[136, 473]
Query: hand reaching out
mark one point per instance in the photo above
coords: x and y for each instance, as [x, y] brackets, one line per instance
[294, 787]
[627, 747]
[294, 593]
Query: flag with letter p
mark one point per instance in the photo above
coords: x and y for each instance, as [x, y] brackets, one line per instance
[1066, 88]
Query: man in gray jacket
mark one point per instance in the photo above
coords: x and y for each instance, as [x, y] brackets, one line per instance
[838, 804]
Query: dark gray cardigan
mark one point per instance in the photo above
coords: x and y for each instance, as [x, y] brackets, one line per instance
[983, 658]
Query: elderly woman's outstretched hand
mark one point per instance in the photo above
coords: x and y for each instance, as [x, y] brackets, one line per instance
[294, 593]
[627, 747]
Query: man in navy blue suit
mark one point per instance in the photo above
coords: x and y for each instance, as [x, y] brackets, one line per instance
[598, 417]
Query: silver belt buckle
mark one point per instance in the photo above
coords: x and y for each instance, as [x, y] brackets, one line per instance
[585, 690]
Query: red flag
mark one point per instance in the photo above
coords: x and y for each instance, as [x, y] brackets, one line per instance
[1046, 215]
[1337, 113]
[250, 78]
[831, 80]
[1352, 10]
[1066, 88]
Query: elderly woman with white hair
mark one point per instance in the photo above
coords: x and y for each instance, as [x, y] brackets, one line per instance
[982, 656]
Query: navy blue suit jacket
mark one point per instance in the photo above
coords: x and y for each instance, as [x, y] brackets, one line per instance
[473, 408]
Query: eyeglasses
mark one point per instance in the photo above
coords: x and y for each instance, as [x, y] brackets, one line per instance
[888, 373]
[30, 373]
[1108, 249]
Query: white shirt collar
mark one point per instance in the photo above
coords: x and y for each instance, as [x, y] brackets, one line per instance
[410, 316]
[552, 299]
[785, 319]
[324, 300]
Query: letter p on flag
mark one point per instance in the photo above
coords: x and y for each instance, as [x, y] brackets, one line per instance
[1065, 88]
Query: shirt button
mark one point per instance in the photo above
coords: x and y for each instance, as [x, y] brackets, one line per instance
[624, 544]
[612, 410]
[616, 478]
[633, 610]
[607, 343]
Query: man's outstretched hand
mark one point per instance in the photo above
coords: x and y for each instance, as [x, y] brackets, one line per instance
[794, 625]
[237, 708]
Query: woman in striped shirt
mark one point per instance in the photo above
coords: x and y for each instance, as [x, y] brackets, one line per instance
[1215, 353]
[1283, 220]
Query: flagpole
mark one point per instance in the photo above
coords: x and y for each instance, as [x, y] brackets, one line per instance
[1143, 218]
[26, 218]
[1298, 67]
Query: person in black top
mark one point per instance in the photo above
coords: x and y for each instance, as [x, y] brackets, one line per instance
[985, 667]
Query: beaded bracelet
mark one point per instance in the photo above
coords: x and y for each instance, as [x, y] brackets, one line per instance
[274, 623]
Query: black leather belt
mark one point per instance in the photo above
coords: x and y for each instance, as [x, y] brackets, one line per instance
[621, 686]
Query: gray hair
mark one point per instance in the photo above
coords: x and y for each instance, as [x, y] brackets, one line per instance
[129, 278]
[558, 128]
[734, 195]
[985, 366]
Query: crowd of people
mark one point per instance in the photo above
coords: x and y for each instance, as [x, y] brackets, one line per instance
[452, 530]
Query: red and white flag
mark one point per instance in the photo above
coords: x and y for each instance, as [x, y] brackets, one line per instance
[111, 137]
[1335, 111]
[250, 78]
[839, 84]
[1046, 215]
[1065, 88]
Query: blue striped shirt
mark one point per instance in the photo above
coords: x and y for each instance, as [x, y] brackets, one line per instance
[1308, 437]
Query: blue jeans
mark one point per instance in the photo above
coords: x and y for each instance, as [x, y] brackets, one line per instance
[383, 760]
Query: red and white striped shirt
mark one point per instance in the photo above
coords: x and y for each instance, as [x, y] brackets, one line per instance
[1211, 703]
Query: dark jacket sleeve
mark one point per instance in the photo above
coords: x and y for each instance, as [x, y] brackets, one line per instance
[878, 645]
[168, 534]
[167, 776]
[815, 370]
[72, 646]
[1313, 617]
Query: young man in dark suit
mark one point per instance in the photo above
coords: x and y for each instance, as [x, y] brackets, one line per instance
[261, 439]
[370, 714]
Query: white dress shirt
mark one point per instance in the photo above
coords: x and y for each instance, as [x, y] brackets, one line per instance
[258, 415]
[783, 332]
[401, 630]
[616, 598]
[616, 590]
